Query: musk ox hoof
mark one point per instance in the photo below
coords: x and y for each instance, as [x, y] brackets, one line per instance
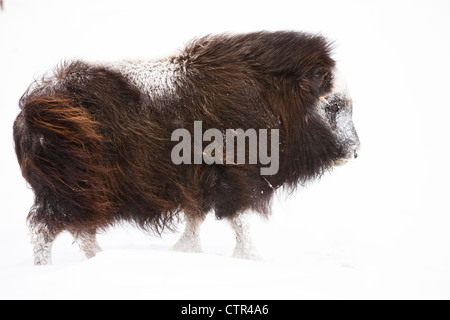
[42, 256]
[188, 245]
[92, 253]
[40, 263]
[87, 243]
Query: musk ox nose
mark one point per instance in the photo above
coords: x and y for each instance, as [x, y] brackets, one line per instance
[355, 149]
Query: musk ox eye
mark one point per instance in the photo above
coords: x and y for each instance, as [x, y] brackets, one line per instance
[334, 108]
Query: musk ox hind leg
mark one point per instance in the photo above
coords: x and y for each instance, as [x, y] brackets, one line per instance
[87, 241]
[244, 245]
[42, 237]
[190, 240]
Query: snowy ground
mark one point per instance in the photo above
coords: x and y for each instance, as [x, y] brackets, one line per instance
[376, 228]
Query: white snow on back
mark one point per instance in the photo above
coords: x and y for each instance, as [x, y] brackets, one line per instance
[156, 78]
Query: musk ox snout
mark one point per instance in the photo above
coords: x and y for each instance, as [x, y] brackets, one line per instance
[336, 110]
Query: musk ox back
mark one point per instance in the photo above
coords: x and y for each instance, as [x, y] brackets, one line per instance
[97, 141]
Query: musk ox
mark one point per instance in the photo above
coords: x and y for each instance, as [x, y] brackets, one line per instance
[95, 141]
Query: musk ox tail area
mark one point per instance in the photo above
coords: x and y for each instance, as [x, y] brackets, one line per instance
[58, 147]
[85, 145]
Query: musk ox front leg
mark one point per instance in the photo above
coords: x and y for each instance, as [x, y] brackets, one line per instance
[87, 241]
[42, 237]
[190, 240]
[244, 245]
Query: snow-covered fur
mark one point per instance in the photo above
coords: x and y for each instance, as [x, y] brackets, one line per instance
[94, 139]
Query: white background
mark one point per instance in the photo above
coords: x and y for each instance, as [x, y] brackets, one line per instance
[377, 228]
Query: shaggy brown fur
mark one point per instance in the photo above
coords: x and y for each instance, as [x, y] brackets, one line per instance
[96, 149]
